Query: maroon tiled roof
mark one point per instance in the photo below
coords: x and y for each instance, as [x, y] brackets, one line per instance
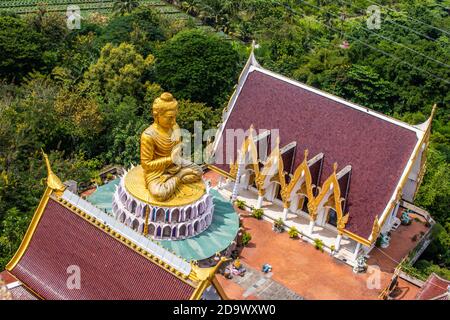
[377, 150]
[433, 288]
[21, 293]
[109, 269]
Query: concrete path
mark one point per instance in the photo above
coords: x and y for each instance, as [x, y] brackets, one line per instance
[262, 286]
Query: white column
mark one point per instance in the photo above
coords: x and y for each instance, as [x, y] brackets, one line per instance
[311, 227]
[337, 245]
[285, 213]
[259, 203]
[355, 254]
[234, 194]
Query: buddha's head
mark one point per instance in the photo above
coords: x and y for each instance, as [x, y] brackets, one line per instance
[165, 110]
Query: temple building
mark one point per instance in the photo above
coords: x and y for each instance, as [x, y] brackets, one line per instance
[335, 170]
[75, 250]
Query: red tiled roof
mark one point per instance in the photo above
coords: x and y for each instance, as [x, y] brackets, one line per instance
[21, 293]
[377, 150]
[433, 288]
[109, 269]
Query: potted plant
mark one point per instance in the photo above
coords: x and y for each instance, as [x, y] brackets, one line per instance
[318, 244]
[257, 213]
[246, 237]
[240, 204]
[293, 232]
[332, 248]
[278, 225]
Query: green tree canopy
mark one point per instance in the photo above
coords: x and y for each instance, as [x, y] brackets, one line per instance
[20, 48]
[198, 66]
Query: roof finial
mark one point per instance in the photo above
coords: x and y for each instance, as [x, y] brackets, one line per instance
[335, 166]
[53, 182]
[306, 154]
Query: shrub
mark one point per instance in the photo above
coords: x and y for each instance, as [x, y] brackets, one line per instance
[258, 213]
[332, 248]
[240, 204]
[278, 225]
[318, 244]
[414, 238]
[246, 238]
[293, 232]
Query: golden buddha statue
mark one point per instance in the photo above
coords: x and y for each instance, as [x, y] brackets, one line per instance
[164, 168]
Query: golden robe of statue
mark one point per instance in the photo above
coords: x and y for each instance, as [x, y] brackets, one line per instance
[161, 159]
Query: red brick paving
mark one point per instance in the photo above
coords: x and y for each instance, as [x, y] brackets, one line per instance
[303, 269]
[401, 245]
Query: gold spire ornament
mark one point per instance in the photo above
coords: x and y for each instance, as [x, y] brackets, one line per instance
[53, 182]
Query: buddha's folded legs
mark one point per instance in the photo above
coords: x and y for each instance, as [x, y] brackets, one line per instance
[165, 186]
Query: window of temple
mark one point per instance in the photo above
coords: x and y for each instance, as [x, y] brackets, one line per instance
[175, 215]
[305, 205]
[332, 217]
[166, 232]
[158, 231]
[201, 208]
[135, 224]
[160, 215]
[151, 229]
[182, 231]
[197, 226]
[187, 213]
[122, 217]
[133, 206]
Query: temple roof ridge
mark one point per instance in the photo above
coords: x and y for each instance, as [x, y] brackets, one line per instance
[419, 129]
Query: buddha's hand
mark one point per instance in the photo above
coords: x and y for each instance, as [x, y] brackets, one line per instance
[176, 155]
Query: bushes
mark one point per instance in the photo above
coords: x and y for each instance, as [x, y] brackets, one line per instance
[257, 213]
[240, 204]
[278, 225]
[246, 237]
[293, 232]
[318, 244]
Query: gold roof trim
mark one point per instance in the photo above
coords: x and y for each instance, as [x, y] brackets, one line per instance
[206, 277]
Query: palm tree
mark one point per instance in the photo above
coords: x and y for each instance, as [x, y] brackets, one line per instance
[125, 6]
[191, 7]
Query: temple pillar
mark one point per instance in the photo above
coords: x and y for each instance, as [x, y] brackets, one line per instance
[259, 202]
[337, 244]
[311, 227]
[355, 254]
[285, 213]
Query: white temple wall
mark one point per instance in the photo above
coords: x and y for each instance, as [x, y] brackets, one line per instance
[410, 186]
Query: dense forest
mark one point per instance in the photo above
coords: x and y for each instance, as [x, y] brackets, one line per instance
[84, 95]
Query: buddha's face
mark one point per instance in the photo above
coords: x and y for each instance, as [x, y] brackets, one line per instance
[167, 119]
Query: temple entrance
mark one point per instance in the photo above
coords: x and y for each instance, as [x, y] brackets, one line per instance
[332, 217]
